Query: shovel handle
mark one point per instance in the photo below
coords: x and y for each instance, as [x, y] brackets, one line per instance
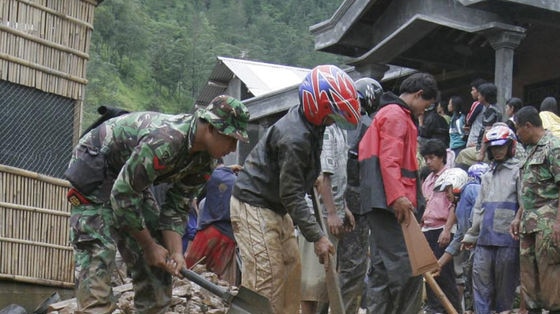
[439, 293]
[206, 284]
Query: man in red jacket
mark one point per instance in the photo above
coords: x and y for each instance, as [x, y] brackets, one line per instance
[390, 194]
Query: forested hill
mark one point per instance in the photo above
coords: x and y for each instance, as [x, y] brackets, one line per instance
[156, 54]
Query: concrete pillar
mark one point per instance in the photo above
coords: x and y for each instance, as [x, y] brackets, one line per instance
[374, 70]
[504, 44]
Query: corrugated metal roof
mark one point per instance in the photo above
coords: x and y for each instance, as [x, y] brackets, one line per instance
[260, 78]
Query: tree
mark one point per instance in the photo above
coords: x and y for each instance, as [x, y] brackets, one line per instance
[157, 55]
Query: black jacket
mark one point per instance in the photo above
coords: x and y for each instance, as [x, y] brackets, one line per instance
[435, 126]
[281, 168]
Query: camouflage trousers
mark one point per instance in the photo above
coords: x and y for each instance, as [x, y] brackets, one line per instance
[95, 243]
[540, 270]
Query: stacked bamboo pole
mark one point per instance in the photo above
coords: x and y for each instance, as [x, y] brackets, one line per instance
[34, 229]
[45, 44]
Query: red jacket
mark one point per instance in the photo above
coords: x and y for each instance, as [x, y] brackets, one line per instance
[387, 155]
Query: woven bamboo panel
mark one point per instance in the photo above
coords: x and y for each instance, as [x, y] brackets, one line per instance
[45, 44]
[34, 229]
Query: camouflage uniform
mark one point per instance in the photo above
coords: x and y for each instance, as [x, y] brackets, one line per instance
[138, 150]
[539, 258]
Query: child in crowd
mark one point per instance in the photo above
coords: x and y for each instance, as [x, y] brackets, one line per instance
[487, 96]
[457, 138]
[512, 106]
[473, 120]
[437, 221]
[462, 189]
[496, 256]
[443, 111]
[214, 244]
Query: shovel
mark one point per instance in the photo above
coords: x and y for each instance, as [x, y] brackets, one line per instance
[423, 260]
[245, 301]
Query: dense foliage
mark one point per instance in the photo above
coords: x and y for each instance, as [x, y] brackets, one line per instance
[157, 54]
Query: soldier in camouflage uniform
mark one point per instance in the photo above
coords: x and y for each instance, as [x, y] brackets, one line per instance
[538, 223]
[111, 171]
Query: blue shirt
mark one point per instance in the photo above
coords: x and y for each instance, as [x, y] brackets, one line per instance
[463, 212]
[216, 207]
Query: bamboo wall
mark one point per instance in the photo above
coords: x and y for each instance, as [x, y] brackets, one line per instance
[45, 44]
[34, 233]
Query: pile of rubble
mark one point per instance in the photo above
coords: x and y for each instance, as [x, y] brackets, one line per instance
[188, 297]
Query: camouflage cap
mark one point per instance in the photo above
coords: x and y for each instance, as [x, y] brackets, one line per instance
[228, 115]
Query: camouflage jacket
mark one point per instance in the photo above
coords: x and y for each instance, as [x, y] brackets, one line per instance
[147, 148]
[540, 175]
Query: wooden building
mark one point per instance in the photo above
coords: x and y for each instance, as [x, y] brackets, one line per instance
[513, 43]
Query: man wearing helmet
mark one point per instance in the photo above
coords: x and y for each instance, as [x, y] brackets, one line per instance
[388, 191]
[111, 171]
[537, 224]
[496, 255]
[353, 246]
[269, 195]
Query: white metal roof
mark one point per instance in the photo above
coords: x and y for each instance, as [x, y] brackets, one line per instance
[259, 77]
[262, 78]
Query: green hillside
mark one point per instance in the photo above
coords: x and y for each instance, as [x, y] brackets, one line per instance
[157, 54]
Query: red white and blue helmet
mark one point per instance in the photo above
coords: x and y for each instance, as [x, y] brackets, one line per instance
[499, 135]
[328, 92]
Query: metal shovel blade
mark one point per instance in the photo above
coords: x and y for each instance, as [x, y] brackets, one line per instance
[245, 301]
[248, 301]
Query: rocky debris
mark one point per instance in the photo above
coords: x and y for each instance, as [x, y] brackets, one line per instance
[188, 297]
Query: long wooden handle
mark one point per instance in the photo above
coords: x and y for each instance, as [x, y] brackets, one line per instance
[333, 286]
[439, 293]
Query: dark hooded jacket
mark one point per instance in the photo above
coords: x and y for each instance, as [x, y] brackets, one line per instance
[387, 156]
[434, 126]
[282, 168]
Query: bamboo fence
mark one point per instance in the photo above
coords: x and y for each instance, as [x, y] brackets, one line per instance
[34, 232]
[45, 44]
